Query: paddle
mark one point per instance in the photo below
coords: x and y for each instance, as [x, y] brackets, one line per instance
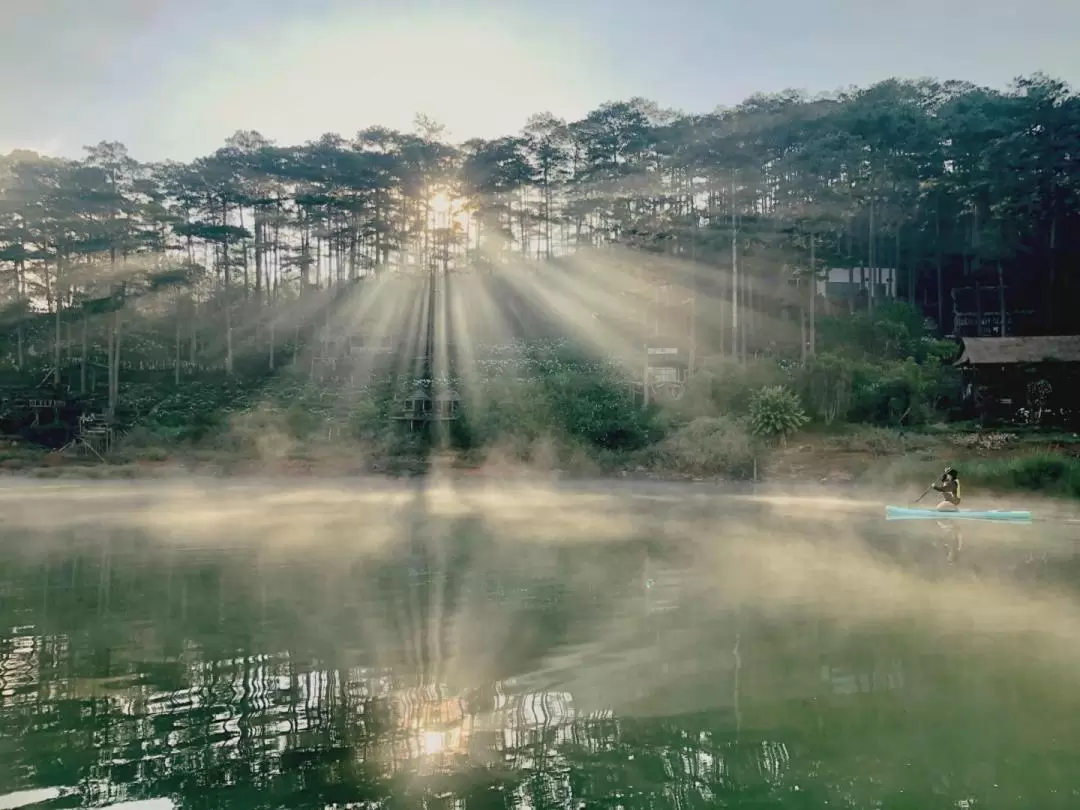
[927, 490]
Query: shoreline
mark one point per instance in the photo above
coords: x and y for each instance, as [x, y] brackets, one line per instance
[839, 462]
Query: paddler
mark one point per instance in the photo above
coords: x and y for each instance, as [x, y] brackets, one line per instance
[949, 487]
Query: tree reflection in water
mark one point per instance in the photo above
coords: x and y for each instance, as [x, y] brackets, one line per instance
[461, 668]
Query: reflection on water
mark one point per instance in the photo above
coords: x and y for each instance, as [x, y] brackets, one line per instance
[536, 648]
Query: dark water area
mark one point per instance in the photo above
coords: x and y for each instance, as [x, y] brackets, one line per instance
[527, 647]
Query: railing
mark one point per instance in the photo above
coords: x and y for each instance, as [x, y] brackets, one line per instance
[95, 435]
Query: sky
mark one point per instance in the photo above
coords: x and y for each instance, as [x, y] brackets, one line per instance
[173, 78]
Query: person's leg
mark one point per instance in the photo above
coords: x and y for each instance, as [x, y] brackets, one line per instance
[947, 506]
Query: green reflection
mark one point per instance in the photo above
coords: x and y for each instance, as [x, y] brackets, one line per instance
[766, 663]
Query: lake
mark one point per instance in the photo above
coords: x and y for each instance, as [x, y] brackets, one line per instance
[526, 645]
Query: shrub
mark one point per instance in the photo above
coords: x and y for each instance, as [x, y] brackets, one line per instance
[708, 446]
[261, 432]
[598, 409]
[725, 386]
[776, 413]
[302, 422]
[1039, 472]
[895, 330]
[885, 367]
[151, 454]
[940, 351]
[142, 437]
[879, 441]
[1047, 472]
[504, 410]
[826, 386]
[983, 441]
[366, 421]
[900, 393]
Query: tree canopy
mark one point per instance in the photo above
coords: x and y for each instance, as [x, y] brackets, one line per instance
[946, 181]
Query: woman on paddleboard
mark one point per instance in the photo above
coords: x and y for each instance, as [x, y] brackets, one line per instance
[949, 487]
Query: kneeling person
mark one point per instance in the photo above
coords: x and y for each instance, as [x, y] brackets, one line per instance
[949, 487]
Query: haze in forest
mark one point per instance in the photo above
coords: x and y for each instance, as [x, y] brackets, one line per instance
[173, 80]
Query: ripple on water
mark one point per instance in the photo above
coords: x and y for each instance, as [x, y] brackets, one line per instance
[704, 652]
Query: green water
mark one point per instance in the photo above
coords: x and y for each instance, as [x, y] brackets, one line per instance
[252, 647]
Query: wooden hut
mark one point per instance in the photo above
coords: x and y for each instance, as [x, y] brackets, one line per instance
[1021, 377]
[416, 407]
[421, 407]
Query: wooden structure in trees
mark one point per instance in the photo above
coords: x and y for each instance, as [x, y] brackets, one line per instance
[1031, 377]
[422, 407]
[854, 284]
[94, 435]
[667, 369]
[431, 402]
[47, 411]
[669, 315]
[45, 416]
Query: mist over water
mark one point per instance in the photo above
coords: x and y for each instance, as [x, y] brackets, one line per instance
[526, 644]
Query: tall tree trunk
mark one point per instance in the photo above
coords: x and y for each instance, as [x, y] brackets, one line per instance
[978, 310]
[114, 364]
[305, 255]
[228, 333]
[813, 294]
[1001, 297]
[20, 290]
[938, 269]
[227, 276]
[547, 214]
[354, 248]
[871, 261]
[244, 255]
[82, 364]
[179, 340]
[260, 248]
[193, 344]
[112, 369]
[734, 276]
[909, 277]
[802, 328]
[57, 339]
[851, 265]
[272, 340]
[1051, 280]
[748, 309]
[378, 227]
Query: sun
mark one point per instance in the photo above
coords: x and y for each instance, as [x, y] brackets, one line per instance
[441, 204]
[447, 211]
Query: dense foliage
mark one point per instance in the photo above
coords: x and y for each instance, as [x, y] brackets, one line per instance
[155, 277]
[776, 413]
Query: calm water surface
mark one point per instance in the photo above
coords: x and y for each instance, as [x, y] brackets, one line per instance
[370, 646]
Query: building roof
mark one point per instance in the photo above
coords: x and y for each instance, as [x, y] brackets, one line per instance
[994, 351]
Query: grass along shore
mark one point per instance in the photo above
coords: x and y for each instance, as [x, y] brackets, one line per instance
[989, 462]
[1040, 462]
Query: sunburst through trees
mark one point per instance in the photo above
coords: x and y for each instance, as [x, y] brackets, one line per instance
[397, 255]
